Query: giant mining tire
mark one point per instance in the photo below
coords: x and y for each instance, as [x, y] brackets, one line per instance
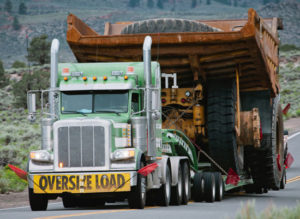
[221, 110]
[167, 25]
[267, 162]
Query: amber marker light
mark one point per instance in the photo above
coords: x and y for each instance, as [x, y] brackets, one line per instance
[84, 78]
[104, 78]
[94, 78]
[125, 77]
[61, 164]
[65, 78]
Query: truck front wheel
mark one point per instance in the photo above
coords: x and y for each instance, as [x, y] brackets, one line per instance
[137, 197]
[38, 202]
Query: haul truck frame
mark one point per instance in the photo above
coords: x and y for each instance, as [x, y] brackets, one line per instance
[105, 123]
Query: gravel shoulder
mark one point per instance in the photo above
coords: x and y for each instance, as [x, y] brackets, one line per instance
[19, 199]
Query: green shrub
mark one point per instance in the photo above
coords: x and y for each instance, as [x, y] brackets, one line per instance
[18, 64]
[271, 212]
[287, 47]
[9, 181]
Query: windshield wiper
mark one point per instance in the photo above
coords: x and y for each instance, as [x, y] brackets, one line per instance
[108, 111]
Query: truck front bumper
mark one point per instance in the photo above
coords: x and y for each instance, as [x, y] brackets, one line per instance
[82, 182]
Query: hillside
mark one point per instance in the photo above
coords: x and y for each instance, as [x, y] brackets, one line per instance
[49, 16]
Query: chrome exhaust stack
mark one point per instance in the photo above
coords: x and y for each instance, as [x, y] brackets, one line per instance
[53, 76]
[151, 146]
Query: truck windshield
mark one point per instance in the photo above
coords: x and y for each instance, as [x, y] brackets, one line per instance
[94, 102]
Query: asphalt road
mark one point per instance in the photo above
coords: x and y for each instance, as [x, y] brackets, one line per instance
[228, 208]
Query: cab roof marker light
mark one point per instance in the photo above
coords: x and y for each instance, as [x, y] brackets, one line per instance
[65, 78]
[125, 77]
[94, 78]
[84, 78]
[104, 78]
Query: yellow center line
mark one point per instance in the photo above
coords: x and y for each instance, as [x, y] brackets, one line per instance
[89, 213]
[294, 179]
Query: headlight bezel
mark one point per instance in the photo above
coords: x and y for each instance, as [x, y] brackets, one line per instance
[43, 156]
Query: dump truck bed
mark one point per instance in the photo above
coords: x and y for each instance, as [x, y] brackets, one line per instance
[247, 45]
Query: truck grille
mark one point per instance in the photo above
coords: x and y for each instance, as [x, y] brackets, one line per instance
[81, 146]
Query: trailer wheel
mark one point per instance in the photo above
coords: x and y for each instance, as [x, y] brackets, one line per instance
[176, 194]
[186, 183]
[209, 187]
[167, 25]
[198, 187]
[137, 196]
[38, 202]
[165, 191]
[221, 110]
[219, 186]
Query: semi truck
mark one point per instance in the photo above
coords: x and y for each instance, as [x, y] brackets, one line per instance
[192, 102]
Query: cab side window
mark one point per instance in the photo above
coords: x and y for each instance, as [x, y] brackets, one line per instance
[135, 102]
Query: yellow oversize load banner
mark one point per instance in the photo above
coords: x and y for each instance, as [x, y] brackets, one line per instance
[87, 183]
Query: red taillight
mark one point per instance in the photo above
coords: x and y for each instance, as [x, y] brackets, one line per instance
[183, 100]
[163, 100]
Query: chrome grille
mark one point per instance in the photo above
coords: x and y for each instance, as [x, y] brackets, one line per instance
[81, 146]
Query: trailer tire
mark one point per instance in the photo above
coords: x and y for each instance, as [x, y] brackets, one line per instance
[38, 202]
[209, 187]
[137, 196]
[176, 194]
[167, 25]
[221, 110]
[165, 191]
[219, 186]
[198, 187]
[186, 183]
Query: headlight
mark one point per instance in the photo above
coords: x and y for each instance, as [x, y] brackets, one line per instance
[123, 154]
[41, 156]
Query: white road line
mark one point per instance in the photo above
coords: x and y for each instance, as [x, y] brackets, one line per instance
[293, 135]
[4, 209]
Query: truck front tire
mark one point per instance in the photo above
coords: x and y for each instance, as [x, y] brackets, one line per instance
[38, 202]
[137, 196]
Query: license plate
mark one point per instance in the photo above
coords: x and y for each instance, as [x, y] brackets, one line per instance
[87, 183]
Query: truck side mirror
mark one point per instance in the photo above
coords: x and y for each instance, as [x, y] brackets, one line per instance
[31, 105]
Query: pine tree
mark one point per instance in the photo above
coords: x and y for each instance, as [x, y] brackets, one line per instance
[16, 24]
[38, 50]
[8, 6]
[3, 78]
[134, 3]
[150, 3]
[22, 8]
[160, 4]
[194, 4]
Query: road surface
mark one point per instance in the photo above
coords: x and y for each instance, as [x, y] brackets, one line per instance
[228, 208]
